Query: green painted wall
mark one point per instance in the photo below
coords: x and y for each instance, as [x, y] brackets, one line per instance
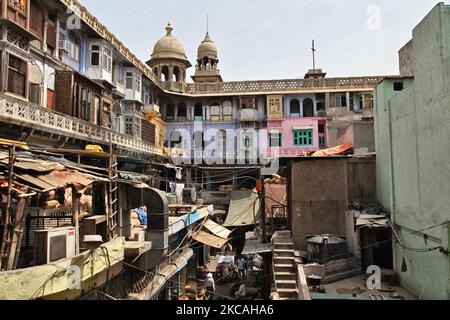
[413, 155]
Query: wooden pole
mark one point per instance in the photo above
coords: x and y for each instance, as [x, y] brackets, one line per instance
[14, 249]
[7, 213]
[75, 212]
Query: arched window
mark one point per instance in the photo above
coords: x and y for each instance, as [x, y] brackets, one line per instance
[216, 112]
[176, 74]
[182, 112]
[198, 112]
[227, 109]
[170, 111]
[294, 108]
[308, 108]
[165, 73]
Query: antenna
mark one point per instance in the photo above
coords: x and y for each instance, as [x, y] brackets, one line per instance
[207, 23]
[314, 55]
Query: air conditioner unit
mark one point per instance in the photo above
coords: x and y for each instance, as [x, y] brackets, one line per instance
[66, 46]
[54, 244]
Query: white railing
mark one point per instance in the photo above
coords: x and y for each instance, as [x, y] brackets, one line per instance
[29, 115]
[283, 85]
[120, 87]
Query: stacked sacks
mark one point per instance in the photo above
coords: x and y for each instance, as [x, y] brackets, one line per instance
[136, 224]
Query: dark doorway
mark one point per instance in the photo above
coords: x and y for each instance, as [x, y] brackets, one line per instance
[308, 108]
[376, 248]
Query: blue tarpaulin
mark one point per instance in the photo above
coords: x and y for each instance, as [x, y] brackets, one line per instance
[142, 216]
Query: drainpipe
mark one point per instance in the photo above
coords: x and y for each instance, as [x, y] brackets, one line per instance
[391, 149]
[392, 195]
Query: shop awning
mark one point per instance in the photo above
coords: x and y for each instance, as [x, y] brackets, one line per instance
[209, 239]
[244, 209]
[217, 229]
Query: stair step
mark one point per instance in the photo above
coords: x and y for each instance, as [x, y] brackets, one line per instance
[284, 251]
[286, 284]
[283, 240]
[284, 268]
[283, 246]
[285, 274]
[287, 293]
[283, 260]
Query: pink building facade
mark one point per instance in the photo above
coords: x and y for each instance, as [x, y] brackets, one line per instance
[293, 137]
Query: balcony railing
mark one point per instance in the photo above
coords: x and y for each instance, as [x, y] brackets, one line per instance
[248, 115]
[29, 115]
[172, 86]
[283, 85]
[120, 87]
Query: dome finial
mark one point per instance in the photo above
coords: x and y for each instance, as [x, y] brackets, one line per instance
[169, 29]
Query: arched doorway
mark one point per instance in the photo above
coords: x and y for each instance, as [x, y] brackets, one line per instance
[170, 111]
[198, 112]
[308, 108]
[182, 112]
[294, 108]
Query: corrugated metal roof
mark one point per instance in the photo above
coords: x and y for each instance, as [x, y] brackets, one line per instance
[255, 247]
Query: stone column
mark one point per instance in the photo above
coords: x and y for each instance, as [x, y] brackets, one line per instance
[44, 41]
[170, 73]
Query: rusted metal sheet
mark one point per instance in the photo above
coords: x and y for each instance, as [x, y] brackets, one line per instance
[33, 181]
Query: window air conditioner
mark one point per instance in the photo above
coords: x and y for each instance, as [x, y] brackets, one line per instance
[66, 46]
[54, 244]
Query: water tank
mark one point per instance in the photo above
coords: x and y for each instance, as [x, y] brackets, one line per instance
[325, 248]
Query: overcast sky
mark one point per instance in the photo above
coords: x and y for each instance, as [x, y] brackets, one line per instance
[271, 39]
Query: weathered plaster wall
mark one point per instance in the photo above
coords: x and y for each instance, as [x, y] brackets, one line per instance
[419, 120]
[361, 175]
[318, 198]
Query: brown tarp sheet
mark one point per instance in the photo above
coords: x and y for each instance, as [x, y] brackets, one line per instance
[56, 179]
[209, 239]
[339, 150]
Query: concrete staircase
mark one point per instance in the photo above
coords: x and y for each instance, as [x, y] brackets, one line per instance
[284, 266]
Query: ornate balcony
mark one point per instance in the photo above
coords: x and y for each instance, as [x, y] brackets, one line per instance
[29, 115]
